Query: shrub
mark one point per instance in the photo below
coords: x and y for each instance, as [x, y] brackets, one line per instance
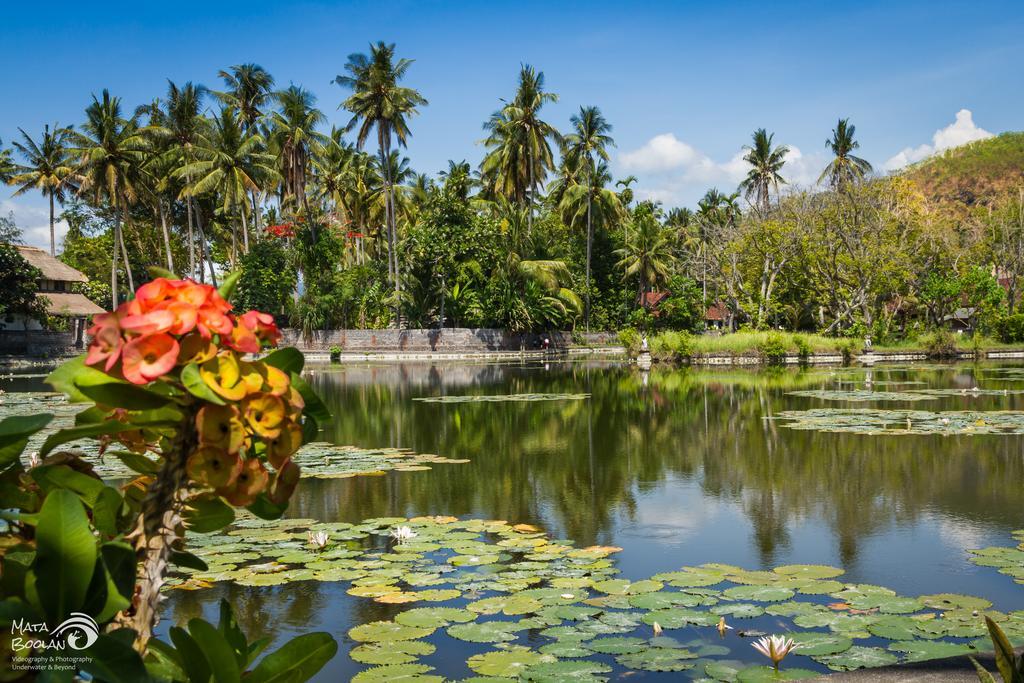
[630, 338]
[672, 346]
[940, 344]
[846, 349]
[1010, 328]
[773, 348]
[803, 348]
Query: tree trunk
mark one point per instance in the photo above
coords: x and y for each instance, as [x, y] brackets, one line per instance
[113, 260]
[124, 255]
[167, 235]
[245, 232]
[53, 239]
[589, 240]
[191, 242]
[389, 215]
[204, 250]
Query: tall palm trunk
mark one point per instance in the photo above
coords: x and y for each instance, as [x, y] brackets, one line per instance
[590, 181]
[113, 260]
[389, 215]
[53, 239]
[166, 234]
[204, 251]
[245, 231]
[191, 240]
[529, 216]
[124, 252]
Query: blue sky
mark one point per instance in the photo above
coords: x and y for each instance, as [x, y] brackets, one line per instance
[683, 83]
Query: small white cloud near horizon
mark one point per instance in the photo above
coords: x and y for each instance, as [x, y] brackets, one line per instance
[34, 222]
[677, 171]
[960, 132]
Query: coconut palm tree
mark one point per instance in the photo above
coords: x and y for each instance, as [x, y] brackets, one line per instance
[111, 149]
[228, 162]
[763, 177]
[294, 129]
[521, 157]
[379, 102]
[584, 147]
[648, 256]
[47, 168]
[248, 90]
[845, 167]
[7, 166]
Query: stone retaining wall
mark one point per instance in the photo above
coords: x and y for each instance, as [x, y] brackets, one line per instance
[464, 340]
[37, 344]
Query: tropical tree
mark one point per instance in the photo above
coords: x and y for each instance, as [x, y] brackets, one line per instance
[228, 164]
[763, 178]
[648, 255]
[379, 102]
[47, 168]
[7, 166]
[584, 147]
[248, 90]
[111, 149]
[521, 157]
[845, 167]
[294, 131]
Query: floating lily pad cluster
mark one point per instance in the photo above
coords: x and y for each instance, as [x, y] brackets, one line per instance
[1007, 560]
[500, 398]
[875, 421]
[865, 395]
[548, 611]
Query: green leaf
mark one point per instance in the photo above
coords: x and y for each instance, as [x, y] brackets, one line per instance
[65, 555]
[157, 271]
[1005, 656]
[112, 659]
[119, 394]
[181, 558]
[136, 462]
[75, 433]
[63, 378]
[288, 359]
[14, 433]
[983, 676]
[297, 660]
[52, 477]
[119, 562]
[195, 385]
[263, 508]
[218, 652]
[228, 284]
[209, 513]
[315, 408]
[191, 657]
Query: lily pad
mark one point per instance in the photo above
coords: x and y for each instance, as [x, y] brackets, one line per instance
[391, 652]
[484, 632]
[397, 672]
[921, 650]
[508, 663]
[658, 659]
[812, 643]
[566, 672]
[758, 593]
[434, 617]
[858, 657]
[379, 631]
[766, 674]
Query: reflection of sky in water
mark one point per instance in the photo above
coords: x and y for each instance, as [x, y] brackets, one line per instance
[676, 467]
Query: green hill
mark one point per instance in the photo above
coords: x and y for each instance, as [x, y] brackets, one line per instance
[977, 173]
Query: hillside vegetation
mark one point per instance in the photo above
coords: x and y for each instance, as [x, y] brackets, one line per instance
[977, 173]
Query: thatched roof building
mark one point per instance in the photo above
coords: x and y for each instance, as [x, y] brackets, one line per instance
[56, 285]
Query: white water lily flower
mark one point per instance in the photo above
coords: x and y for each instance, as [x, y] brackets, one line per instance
[33, 460]
[318, 539]
[775, 648]
[403, 534]
[657, 629]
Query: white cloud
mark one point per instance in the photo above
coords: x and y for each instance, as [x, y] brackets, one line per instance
[960, 132]
[676, 172]
[34, 222]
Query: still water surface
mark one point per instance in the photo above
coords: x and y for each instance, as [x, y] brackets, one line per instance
[677, 467]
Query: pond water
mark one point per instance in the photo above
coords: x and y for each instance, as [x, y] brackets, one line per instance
[678, 467]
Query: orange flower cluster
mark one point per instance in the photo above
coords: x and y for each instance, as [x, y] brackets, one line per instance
[172, 323]
[147, 334]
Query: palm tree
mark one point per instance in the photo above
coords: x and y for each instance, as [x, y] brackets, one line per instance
[47, 168]
[294, 128]
[845, 167]
[648, 256]
[7, 166]
[379, 102]
[228, 162]
[249, 88]
[181, 127]
[521, 155]
[588, 143]
[111, 149]
[765, 164]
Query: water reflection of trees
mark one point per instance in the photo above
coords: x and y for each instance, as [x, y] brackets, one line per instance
[574, 465]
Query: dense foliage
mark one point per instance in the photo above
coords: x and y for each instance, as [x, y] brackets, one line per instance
[18, 282]
[334, 228]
